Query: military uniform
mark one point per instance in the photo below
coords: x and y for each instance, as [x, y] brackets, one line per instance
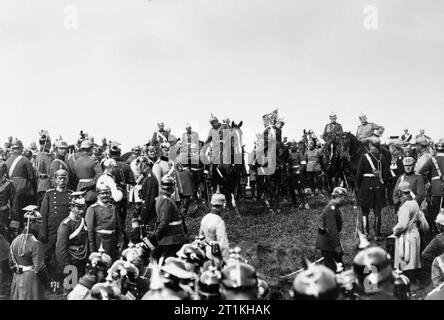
[417, 185]
[165, 166]
[328, 240]
[23, 178]
[396, 170]
[433, 169]
[150, 191]
[423, 157]
[87, 170]
[366, 131]
[104, 228]
[72, 244]
[159, 137]
[7, 202]
[57, 164]
[43, 165]
[169, 233]
[297, 165]
[331, 130]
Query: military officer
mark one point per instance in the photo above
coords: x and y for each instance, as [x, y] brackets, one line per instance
[166, 167]
[7, 197]
[373, 270]
[406, 136]
[416, 183]
[332, 129]
[297, 166]
[54, 209]
[433, 169]
[87, 171]
[329, 240]
[103, 223]
[108, 178]
[22, 174]
[367, 129]
[396, 169]
[372, 176]
[135, 153]
[43, 164]
[72, 237]
[423, 153]
[160, 136]
[60, 162]
[313, 168]
[170, 232]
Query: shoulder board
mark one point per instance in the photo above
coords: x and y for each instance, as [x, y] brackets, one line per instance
[50, 190]
[65, 221]
[94, 205]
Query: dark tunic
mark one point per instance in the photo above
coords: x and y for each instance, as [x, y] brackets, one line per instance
[331, 222]
[72, 243]
[150, 191]
[57, 164]
[104, 228]
[168, 229]
[7, 202]
[43, 161]
[371, 192]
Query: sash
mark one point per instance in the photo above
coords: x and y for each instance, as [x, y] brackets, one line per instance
[163, 137]
[437, 167]
[77, 231]
[373, 167]
[14, 164]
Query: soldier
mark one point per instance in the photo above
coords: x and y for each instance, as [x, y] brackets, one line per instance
[313, 169]
[372, 176]
[96, 272]
[166, 167]
[135, 153]
[104, 225]
[317, 282]
[328, 240]
[212, 226]
[332, 129]
[26, 259]
[169, 233]
[21, 172]
[149, 193]
[54, 209]
[406, 136]
[433, 169]
[8, 206]
[60, 162]
[373, 270]
[108, 178]
[209, 284]
[239, 282]
[43, 164]
[297, 165]
[87, 171]
[416, 183]
[151, 154]
[367, 129]
[423, 135]
[423, 153]
[72, 238]
[160, 136]
[396, 169]
[8, 147]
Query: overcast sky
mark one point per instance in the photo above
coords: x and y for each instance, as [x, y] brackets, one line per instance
[133, 63]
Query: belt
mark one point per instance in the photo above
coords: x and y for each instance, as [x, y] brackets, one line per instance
[436, 178]
[369, 175]
[295, 166]
[196, 169]
[103, 231]
[26, 268]
[175, 223]
[85, 180]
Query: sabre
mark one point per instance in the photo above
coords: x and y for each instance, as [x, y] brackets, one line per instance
[302, 269]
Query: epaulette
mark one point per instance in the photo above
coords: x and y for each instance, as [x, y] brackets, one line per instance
[66, 220]
[50, 190]
[94, 205]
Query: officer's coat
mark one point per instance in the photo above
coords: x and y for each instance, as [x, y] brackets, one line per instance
[331, 221]
[67, 228]
[213, 228]
[429, 170]
[167, 213]
[367, 130]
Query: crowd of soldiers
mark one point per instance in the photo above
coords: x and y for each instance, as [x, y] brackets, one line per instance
[123, 228]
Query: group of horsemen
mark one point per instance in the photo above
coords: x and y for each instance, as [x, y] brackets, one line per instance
[144, 199]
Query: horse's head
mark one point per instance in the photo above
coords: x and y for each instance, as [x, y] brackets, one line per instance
[344, 145]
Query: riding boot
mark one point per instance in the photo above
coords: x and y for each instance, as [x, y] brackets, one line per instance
[378, 226]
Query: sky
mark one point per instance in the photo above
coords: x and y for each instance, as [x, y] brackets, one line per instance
[130, 64]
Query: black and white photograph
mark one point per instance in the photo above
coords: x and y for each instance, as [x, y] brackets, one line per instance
[208, 150]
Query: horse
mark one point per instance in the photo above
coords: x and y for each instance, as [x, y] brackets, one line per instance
[226, 174]
[333, 163]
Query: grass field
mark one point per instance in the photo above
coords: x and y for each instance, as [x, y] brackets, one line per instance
[276, 243]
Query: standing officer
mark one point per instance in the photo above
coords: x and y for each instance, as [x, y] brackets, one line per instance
[169, 233]
[367, 129]
[7, 198]
[103, 223]
[60, 162]
[433, 170]
[72, 238]
[87, 171]
[22, 174]
[166, 167]
[54, 209]
[423, 152]
[372, 176]
[329, 241]
[297, 165]
[43, 164]
[416, 183]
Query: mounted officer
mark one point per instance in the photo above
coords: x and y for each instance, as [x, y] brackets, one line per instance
[367, 129]
[332, 129]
